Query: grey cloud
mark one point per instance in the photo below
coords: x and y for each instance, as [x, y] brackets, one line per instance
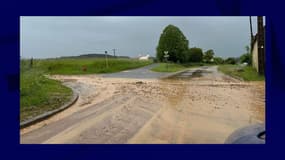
[43, 37]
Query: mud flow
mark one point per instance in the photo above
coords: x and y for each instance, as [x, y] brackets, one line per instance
[198, 106]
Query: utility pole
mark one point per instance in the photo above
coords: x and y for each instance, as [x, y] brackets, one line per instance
[251, 34]
[106, 59]
[260, 39]
[114, 50]
[166, 57]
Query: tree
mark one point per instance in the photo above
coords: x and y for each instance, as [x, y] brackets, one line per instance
[246, 57]
[173, 41]
[209, 55]
[247, 49]
[218, 60]
[230, 60]
[195, 55]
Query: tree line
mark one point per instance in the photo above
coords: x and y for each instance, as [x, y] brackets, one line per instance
[174, 42]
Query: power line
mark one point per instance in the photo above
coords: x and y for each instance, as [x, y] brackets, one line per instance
[114, 51]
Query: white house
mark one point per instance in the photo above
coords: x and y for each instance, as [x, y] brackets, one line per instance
[144, 57]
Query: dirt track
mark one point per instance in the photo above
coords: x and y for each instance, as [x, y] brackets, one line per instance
[203, 109]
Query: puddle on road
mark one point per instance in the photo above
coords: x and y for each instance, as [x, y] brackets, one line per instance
[189, 74]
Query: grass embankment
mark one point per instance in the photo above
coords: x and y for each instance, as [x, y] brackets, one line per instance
[173, 67]
[38, 94]
[247, 73]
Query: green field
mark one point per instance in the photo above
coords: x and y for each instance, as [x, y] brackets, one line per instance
[39, 94]
[247, 73]
[88, 66]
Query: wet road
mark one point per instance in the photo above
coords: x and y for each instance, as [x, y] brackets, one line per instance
[204, 71]
[139, 73]
[197, 106]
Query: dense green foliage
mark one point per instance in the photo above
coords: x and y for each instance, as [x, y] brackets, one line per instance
[176, 44]
[218, 60]
[173, 41]
[247, 73]
[231, 60]
[208, 56]
[195, 55]
[246, 57]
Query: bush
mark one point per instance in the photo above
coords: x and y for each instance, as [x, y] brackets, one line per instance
[208, 56]
[246, 58]
[218, 60]
[155, 60]
[230, 60]
[195, 55]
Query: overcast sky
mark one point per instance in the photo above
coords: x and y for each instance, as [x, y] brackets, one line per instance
[47, 37]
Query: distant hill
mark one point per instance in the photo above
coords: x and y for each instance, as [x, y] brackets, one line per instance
[94, 55]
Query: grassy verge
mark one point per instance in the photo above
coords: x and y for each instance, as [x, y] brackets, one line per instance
[247, 73]
[89, 66]
[40, 94]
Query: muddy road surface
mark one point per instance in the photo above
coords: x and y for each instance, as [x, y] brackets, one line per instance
[197, 106]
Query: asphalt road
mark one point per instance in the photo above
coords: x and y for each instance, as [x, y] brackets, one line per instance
[139, 73]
